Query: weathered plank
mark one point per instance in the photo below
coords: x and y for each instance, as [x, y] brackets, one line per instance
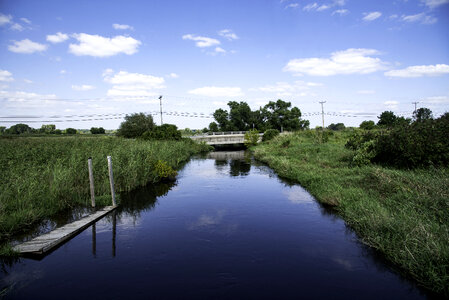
[46, 242]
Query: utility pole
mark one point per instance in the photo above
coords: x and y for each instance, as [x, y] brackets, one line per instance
[322, 111]
[415, 106]
[160, 103]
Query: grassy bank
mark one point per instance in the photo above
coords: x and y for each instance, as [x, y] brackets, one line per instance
[402, 213]
[42, 176]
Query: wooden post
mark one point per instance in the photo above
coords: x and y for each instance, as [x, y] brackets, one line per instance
[111, 180]
[91, 179]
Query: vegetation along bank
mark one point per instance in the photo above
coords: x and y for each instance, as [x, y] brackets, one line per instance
[398, 203]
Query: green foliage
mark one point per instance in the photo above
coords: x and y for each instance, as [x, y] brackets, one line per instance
[213, 126]
[336, 127]
[70, 131]
[163, 132]
[164, 171]
[97, 130]
[47, 128]
[2, 129]
[135, 125]
[270, 134]
[367, 125]
[19, 129]
[357, 139]
[251, 138]
[278, 115]
[41, 176]
[422, 114]
[387, 119]
[365, 153]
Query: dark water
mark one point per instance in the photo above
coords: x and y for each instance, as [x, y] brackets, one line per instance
[229, 228]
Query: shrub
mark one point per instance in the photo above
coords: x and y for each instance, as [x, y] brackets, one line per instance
[357, 139]
[164, 171]
[270, 134]
[70, 131]
[251, 137]
[97, 130]
[164, 132]
[365, 153]
[135, 125]
[336, 127]
[367, 125]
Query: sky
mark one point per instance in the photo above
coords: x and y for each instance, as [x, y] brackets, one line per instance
[89, 63]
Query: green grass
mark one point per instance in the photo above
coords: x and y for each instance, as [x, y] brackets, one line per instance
[42, 176]
[402, 213]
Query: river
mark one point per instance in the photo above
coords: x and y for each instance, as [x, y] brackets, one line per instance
[228, 228]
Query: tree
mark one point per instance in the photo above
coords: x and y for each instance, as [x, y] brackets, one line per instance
[239, 116]
[47, 128]
[163, 132]
[278, 115]
[70, 131]
[19, 129]
[367, 125]
[97, 130]
[135, 125]
[222, 118]
[387, 119]
[422, 114]
[336, 127]
[2, 129]
[213, 127]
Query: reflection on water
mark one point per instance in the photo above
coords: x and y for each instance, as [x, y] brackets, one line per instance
[227, 228]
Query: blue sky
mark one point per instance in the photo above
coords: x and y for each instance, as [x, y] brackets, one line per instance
[62, 60]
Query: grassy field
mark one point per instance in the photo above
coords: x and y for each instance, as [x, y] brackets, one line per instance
[42, 176]
[402, 213]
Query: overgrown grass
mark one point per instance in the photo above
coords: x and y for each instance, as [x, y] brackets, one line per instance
[42, 176]
[402, 213]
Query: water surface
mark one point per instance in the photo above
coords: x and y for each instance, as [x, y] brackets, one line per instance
[227, 228]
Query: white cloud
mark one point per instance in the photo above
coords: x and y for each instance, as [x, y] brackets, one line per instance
[420, 71]
[228, 34]
[310, 6]
[99, 46]
[132, 84]
[5, 19]
[28, 81]
[393, 105]
[437, 100]
[220, 50]
[57, 38]
[83, 87]
[201, 41]
[215, 91]
[323, 7]
[26, 46]
[172, 75]
[17, 27]
[372, 16]
[434, 3]
[422, 18]
[292, 5]
[122, 27]
[350, 61]
[340, 12]
[25, 20]
[63, 72]
[287, 89]
[6, 76]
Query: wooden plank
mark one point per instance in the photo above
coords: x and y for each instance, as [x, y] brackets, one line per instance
[46, 242]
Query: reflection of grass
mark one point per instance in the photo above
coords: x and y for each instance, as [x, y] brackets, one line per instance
[402, 213]
[40, 177]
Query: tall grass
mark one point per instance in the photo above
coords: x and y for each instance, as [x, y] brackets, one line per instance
[402, 213]
[42, 176]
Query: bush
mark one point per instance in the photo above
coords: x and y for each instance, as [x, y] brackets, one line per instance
[97, 130]
[135, 125]
[251, 137]
[357, 139]
[365, 153]
[270, 134]
[164, 132]
[336, 127]
[70, 131]
[367, 125]
[164, 171]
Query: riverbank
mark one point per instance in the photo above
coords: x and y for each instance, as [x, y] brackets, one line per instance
[43, 176]
[404, 214]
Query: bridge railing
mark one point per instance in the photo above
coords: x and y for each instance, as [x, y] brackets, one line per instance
[219, 133]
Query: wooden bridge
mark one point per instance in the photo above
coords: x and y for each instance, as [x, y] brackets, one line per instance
[222, 138]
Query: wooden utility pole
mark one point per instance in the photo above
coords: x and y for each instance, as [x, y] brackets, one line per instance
[322, 111]
[111, 181]
[415, 106]
[160, 103]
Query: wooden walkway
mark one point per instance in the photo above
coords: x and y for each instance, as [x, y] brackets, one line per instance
[48, 241]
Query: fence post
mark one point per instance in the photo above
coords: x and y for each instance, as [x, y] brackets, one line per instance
[91, 180]
[111, 180]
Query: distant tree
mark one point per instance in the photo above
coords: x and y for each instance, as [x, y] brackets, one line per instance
[19, 129]
[401, 121]
[205, 130]
[278, 115]
[213, 127]
[47, 128]
[222, 118]
[239, 115]
[57, 131]
[422, 114]
[135, 125]
[367, 125]
[97, 130]
[387, 119]
[70, 131]
[2, 129]
[336, 127]
[163, 132]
